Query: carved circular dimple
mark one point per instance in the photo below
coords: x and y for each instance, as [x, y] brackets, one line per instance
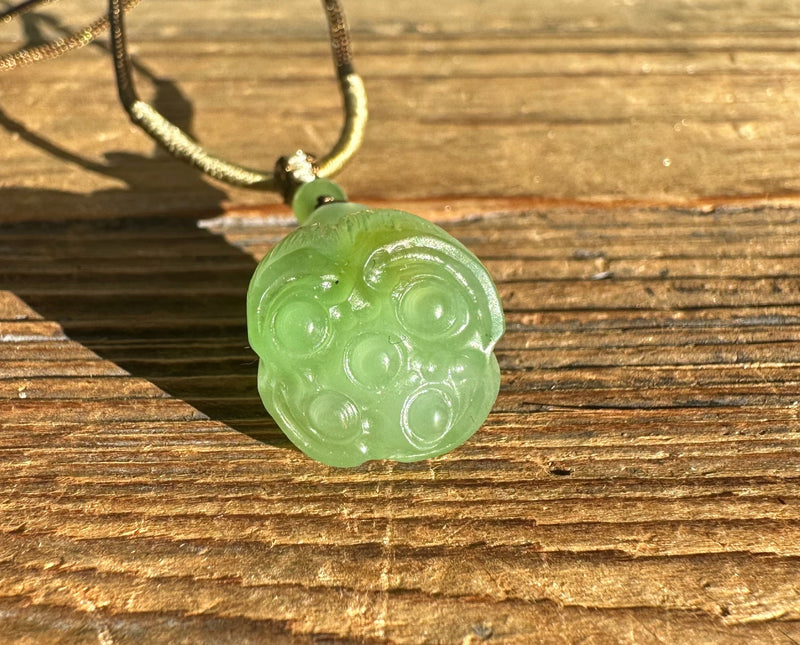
[467, 366]
[300, 327]
[334, 417]
[375, 267]
[372, 360]
[427, 416]
[430, 308]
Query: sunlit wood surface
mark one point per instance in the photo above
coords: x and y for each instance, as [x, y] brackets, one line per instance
[628, 173]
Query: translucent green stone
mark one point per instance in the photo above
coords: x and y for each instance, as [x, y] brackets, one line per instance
[375, 331]
[306, 198]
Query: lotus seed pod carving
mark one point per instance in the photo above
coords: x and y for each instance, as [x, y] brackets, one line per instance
[375, 331]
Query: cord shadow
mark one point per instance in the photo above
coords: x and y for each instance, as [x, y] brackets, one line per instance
[157, 295]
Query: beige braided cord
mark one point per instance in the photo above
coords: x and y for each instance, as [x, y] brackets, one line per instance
[170, 136]
[182, 146]
[57, 46]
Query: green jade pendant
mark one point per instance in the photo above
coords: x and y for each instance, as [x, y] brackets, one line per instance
[375, 331]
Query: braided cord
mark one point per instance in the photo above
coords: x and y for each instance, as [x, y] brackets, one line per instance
[182, 146]
[56, 47]
[170, 136]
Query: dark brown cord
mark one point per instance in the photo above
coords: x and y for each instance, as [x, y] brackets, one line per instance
[170, 136]
[56, 47]
[179, 144]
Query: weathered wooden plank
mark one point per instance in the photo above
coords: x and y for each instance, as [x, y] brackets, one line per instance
[24, 330]
[90, 387]
[661, 498]
[65, 367]
[637, 481]
[587, 101]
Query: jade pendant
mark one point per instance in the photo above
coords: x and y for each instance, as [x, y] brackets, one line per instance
[375, 330]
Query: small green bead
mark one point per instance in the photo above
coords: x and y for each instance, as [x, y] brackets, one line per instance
[306, 197]
[375, 331]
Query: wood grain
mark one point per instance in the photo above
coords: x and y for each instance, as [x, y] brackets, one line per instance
[626, 170]
[637, 481]
[667, 102]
